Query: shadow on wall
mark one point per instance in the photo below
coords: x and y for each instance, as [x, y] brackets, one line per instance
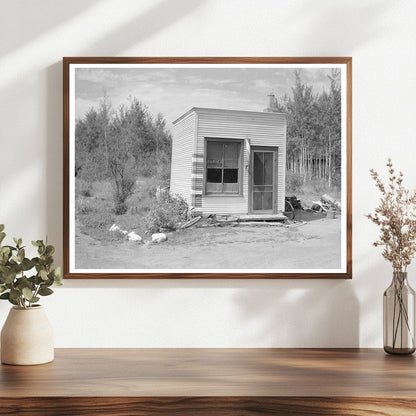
[45, 16]
[338, 19]
[163, 14]
[301, 313]
[158, 17]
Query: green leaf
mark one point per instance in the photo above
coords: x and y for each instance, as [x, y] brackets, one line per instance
[2, 288]
[38, 280]
[35, 261]
[13, 302]
[49, 250]
[24, 282]
[16, 241]
[47, 260]
[43, 274]
[2, 236]
[45, 291]
[21, 255]
[5, 250]
[9, 277]
[41, 249]
[15, 294]
[27, 293]
[58, 280]
[7, 296]
[26, 264]
[2, 227]
[4, 255]
[37, 243]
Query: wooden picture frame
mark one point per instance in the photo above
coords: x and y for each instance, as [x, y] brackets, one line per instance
[87, 256]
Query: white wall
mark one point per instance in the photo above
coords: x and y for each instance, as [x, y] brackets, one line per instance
[380, 35]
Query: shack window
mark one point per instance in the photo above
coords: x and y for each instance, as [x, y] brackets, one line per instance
[223, 171]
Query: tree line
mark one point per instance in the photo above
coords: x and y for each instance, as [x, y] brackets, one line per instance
[119, 145]
[313, 130]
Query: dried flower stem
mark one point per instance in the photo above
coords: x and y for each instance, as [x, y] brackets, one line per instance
[396, 217]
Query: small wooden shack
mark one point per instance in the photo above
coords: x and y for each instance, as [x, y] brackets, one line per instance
[230, 162]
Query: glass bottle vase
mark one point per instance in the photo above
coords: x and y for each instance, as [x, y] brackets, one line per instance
[399, 316]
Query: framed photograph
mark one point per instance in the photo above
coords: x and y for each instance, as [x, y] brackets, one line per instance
[207, 168]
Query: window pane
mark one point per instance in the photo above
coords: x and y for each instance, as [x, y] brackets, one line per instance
[268, 168]
[267, 200]
[231, 151]
[222, 167]
[214, 154]
[257, 201]
[230, 175]
[214, 175]
[258, 168]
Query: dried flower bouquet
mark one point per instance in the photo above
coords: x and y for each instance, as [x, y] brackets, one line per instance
[396, 217]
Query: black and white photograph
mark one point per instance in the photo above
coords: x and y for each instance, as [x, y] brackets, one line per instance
[207, 168]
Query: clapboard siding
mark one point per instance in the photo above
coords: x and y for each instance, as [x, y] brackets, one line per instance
[261, 129]
[222, 205]
[188, 159]
[183, 147]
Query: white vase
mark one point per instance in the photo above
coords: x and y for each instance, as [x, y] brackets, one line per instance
[27, 337]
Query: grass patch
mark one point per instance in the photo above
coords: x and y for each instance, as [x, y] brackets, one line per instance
[145, 213]
[83, 188]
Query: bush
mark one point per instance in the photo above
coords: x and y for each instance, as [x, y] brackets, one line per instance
[122, 190]
[166, 213]
[83, 207]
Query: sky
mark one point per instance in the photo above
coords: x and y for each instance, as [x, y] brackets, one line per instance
[172, 91]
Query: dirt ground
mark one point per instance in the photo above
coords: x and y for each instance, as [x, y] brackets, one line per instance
[314, 245]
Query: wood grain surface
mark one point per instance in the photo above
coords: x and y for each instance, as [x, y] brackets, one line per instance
[212, 381]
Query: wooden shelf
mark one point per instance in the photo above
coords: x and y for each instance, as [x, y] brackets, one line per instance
[212, 382]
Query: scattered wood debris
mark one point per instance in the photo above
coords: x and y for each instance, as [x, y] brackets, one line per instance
[327, 203]
[190, 223]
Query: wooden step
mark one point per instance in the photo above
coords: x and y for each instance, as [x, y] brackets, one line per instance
[262, 217]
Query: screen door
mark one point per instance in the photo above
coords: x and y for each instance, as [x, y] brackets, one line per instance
[263, 181]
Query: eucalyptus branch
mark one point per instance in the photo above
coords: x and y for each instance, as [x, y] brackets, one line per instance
[16, 284]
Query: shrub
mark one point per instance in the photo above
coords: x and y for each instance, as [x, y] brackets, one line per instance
[122, 190]
[166, 213]
[83, 207]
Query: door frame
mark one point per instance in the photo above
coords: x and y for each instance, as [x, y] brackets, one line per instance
[275, 151]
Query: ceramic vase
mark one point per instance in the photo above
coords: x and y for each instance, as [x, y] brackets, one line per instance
[27, 337]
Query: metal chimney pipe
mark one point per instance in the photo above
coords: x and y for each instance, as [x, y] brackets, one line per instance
[272, 100]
